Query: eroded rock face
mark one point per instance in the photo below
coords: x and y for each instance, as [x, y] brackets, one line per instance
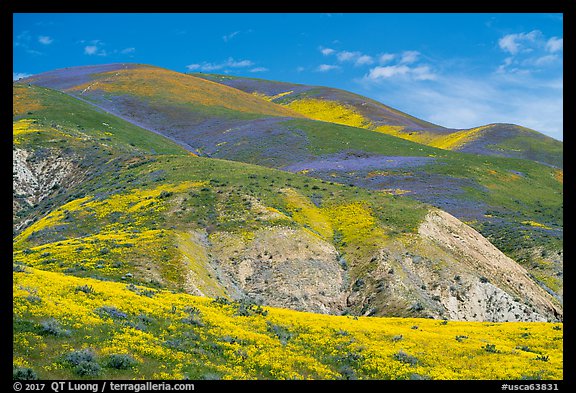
[447, 270]
[36, 174]
[282, 267]
[504, 292]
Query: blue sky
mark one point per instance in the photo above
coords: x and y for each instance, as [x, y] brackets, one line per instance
[456, 70]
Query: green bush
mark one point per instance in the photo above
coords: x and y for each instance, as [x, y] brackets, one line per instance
[403, 357]
[23, 374]
[120, 361]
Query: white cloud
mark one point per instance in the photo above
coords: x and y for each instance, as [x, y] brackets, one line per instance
[555, 44]
[126, 51]
[236, 64]
[229, 63]
[300, 69]
[364, 60]
[419, 73]
[529, 52]
[90, 50]
[515, 43]
[458, 101]
[347, 56]
[422, 73]
[327, 51]
[259, 69]
[19, 75]
[386, 57]
[326, 67]
[409, 56]
[380, 72]
[228, 37]
[45, 40]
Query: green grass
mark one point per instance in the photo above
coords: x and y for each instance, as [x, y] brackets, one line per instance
[327, 138]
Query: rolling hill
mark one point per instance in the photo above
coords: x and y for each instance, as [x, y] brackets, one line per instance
[342, 107]
[170, 227]
[515, 203]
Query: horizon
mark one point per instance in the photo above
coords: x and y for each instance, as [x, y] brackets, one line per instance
[484, 69]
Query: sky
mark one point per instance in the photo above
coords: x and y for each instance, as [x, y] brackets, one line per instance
[455, 70]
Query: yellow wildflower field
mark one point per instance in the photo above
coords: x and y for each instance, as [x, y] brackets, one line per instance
[176, 335]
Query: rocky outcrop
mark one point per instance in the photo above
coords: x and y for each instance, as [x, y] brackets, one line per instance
[477, 256]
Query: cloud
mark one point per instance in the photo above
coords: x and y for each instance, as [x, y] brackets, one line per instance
[23, 41]
[127, 51]
[90, 50]
[386, 57]
[529, 52]
[45, 40]
[326, 67]
[347, 56]
[300, 69]
[555, 44]
[460, 101]
[380, 72]
[409, 56]
[515, 43]
[419, 73]
[229, 63]
[364, 60]
[259, 69]
[327, 51]
[228, 37]
[19, 75]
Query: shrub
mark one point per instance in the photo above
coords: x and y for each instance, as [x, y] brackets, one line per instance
[120, 361]
[491, 348]
[111, 312]
[247, 308]
[52, 327]
[87, 289]
[461, 338]
[557, 327]
[397, 338]
[88, 369]
[193, 317]
[484, 280]
[34, 299]
[281, 332]
[23, 374]
[17, 268]
[543, 358]
[403, 357]
[80, 356]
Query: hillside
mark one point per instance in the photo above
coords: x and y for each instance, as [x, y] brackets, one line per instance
[515, 203]
[342, 107]
[81, 328]
[214, 227]
[134, 258]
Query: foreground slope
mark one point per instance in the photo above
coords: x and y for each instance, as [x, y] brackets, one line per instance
[69, 327]
[515, 203]
[221, 228]
[343, 107]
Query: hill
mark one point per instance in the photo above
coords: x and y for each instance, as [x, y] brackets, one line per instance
[343, 107]
[222, 228]
[515, 203]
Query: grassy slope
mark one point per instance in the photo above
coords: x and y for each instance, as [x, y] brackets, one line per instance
[173, 336]
[127, 218]
[342, 107]
[511, 201]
